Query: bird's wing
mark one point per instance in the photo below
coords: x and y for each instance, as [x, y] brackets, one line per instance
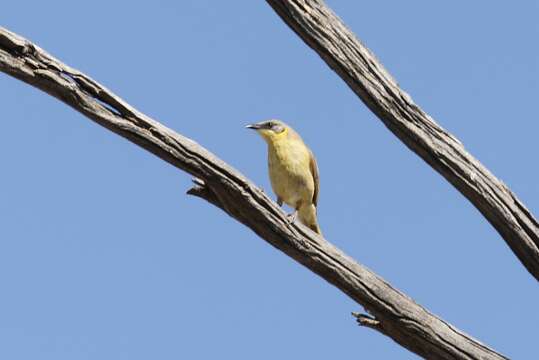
[314, 171]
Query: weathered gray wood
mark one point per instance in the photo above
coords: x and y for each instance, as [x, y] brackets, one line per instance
[392, 313]
[325, 33]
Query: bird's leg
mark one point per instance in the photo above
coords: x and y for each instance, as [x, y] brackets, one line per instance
[292, 217]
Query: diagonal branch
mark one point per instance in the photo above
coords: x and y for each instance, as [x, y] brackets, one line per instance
[326, 34]
[392, 313]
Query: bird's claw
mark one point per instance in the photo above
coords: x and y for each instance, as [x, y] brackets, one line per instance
[292, 217]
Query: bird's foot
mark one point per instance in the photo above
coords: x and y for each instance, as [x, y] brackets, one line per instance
[292, 217]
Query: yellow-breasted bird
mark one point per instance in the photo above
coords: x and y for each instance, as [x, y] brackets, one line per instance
[292, 169]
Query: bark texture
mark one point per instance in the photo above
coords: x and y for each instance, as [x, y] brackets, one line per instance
[326, 34]
[391, 312]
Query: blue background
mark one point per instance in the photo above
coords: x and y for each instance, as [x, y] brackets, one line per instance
[102, 256]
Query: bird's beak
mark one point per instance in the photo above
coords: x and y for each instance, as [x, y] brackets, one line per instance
[254, 126]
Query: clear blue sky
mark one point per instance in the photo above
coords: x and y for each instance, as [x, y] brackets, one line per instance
[102, 256]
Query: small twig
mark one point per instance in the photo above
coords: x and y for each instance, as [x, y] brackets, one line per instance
[368, 321]
[201, 190]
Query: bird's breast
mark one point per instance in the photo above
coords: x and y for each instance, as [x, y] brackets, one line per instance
[289, 168]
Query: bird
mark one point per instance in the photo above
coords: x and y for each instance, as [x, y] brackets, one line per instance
[293, 171]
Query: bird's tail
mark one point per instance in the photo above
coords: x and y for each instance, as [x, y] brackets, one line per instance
[307, 215]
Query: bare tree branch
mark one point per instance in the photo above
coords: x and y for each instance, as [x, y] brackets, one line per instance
[326, 34]
[392, 313]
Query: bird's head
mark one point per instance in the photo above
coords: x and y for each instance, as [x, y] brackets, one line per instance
[270, 130]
